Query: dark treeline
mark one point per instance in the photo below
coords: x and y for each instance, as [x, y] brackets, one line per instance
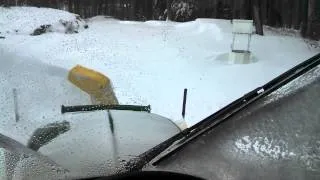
[302, 15]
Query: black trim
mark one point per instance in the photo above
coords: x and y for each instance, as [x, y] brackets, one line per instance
[210, 122]
[147, 175]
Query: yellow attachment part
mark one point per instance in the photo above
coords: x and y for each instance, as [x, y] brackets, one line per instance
[97, 85]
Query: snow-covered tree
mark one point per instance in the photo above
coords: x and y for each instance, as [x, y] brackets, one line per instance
[184, 10]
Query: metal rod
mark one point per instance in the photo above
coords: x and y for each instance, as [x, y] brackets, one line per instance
[184, 103]
[69, 109]
[233, 39]
[15, 101]
[249, 42]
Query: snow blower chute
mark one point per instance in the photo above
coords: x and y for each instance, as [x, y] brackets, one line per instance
[97, 85]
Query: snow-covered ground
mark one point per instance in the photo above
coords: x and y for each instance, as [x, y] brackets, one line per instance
[148, 62]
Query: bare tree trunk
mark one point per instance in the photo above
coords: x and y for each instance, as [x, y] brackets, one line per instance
[263, 8]
[169, 11]
[279, 14]
[105, 9]
[202, 8]
[76, 6]
[99, 8]
[274, 14]
[133, 9]
[271, 16]
[148, 9]
[95, 8]
[304, 24]
[287, 6]
[246, 9]
[122, 13]
[237, 6]
[311, 16]
[112, 9]
[233, 11]
[70, 6]
[257, 17]
[219, 10]
[296, 18]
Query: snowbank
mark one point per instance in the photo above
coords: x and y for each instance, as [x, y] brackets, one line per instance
[102, 18]
[24, 20]
[199, 27]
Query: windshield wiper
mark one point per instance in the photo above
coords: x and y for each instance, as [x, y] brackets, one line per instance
[177, 142]
[46, 134]
[82, 108]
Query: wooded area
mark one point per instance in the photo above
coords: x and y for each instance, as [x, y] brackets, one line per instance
[301, 15]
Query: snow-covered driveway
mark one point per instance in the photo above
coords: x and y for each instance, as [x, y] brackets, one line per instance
[152, 62]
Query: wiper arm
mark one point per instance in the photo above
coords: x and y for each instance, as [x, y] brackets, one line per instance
[44, 135]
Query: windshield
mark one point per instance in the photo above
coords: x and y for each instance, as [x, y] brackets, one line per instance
[90, 87]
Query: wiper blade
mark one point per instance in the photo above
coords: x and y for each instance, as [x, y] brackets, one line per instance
[83, 108]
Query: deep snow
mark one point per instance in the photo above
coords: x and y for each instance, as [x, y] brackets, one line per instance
[148, 62]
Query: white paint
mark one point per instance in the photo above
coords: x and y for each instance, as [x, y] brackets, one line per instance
[242, 26]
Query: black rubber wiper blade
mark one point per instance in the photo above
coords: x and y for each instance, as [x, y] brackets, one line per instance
[100, 107]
